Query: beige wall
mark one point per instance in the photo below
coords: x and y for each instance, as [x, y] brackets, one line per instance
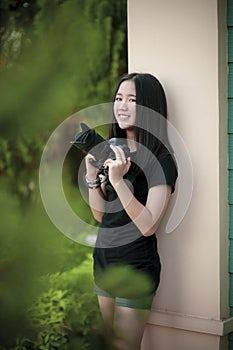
[178, 41]
[161, 338]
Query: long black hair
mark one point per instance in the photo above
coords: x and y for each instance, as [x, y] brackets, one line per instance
[151, 113]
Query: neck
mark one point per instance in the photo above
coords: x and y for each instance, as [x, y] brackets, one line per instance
[131, 141]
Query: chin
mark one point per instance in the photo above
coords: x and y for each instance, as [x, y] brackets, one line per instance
[125, 126]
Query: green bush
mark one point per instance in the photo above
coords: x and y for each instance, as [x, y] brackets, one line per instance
[68, 310]
[56, 57]
[65, 313]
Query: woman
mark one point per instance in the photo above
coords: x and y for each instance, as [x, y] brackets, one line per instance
[131, 202]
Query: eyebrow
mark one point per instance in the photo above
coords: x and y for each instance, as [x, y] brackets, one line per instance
[127, 95]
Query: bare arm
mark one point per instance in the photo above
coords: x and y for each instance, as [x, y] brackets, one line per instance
[96, 196]
[96, 202]
[147, 218]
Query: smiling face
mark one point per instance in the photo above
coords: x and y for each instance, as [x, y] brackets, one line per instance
[125, 105]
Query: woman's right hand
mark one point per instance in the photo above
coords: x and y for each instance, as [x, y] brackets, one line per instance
[91, 170]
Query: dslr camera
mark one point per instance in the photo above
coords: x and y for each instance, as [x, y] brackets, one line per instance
[89, 141]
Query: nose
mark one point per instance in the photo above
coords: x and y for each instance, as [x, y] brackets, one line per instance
[124, 105]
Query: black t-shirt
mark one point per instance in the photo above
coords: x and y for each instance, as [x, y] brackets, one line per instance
[119, 241]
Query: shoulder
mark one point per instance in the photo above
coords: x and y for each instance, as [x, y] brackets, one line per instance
[167, 161]
[163, 170]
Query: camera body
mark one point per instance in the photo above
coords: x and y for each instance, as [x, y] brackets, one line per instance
[104, 152]
[91, 142]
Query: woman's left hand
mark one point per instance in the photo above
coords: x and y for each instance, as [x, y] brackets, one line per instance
[119, 167]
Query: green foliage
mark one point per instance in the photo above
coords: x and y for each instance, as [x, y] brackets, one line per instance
[67, 59]
[5, 157]
[19, 162]
[125, 282]
[68, 310]
[46, 294]
[56, 57]
[49, 315]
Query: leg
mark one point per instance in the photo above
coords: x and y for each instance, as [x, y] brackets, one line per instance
[107, 306]
[130, 324]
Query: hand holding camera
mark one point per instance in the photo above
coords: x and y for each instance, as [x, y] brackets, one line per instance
[117, 167]
[99, 149]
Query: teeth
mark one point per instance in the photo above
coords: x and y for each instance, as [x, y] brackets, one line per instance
[123, 116]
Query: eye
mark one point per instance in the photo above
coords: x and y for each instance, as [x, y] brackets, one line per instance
[132, 100]
[118, 98]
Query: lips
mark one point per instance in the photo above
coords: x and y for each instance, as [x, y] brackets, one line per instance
[123, 116]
